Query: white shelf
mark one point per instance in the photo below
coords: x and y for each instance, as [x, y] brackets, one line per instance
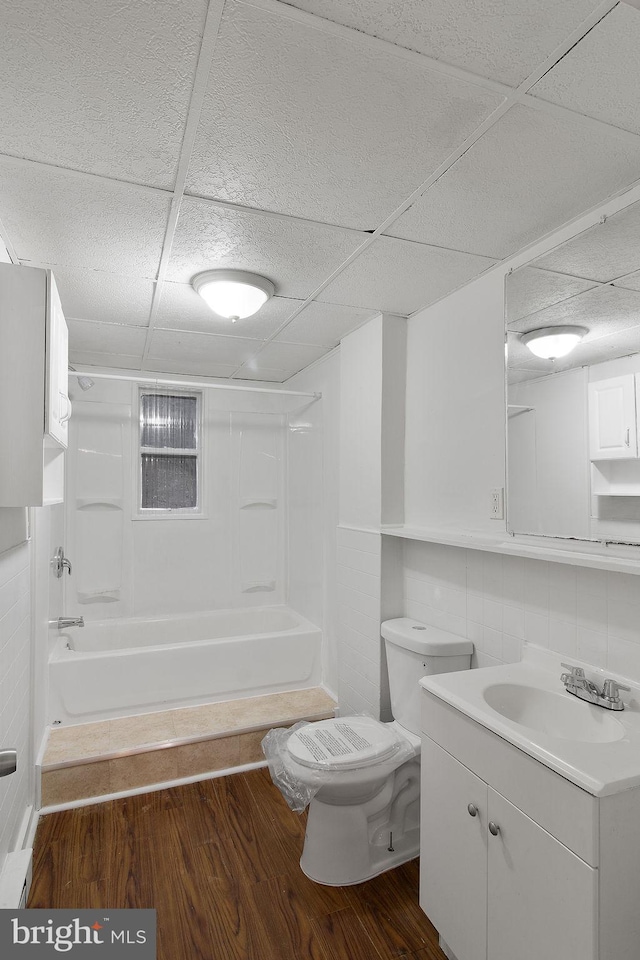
[583, 553]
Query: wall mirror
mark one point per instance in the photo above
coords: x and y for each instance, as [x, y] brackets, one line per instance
[573, 425]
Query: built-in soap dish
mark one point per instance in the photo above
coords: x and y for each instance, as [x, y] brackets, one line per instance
[259, 586]
[265, 504]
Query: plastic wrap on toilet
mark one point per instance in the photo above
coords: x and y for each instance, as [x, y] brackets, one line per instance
[297, 794]
[326, 750]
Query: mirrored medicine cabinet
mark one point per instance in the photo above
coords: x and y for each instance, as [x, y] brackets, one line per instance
[573, 424]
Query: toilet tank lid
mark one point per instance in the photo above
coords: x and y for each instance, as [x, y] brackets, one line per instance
[424, 639]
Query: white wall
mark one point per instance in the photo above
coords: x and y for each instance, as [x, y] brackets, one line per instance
[313, 457]
[499, 602]
[360, 426]
[455, 408]
[16, 791]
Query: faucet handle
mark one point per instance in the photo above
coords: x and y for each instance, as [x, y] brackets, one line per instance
[612, 688]
[576, 672]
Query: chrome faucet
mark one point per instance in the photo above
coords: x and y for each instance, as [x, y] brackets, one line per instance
[63, 622]
[576, 683]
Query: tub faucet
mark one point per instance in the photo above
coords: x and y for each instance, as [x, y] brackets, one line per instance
[63, 622]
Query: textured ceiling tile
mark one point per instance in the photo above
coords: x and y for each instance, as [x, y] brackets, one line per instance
[529, 290]
[314, 125]
[603, 252]
[95, 295]
[324, 324]
[600, 76]
[102, 87]
[400, 277]
[178, 346]
[295, 255]
[527, 175]
[631, 282]
[181, 308]
[262, 373]
[85, 335]
[84, 223]
[287, 356]
[603, 310]
[192, 368]
[93, 358]
[497, 40]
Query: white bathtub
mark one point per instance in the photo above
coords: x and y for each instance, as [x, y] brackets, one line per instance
[116, 668]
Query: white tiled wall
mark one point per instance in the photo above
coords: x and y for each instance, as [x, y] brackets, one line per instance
[15, 790]
[359, 651]
[500, 602]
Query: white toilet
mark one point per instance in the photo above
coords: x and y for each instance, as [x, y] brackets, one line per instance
[365, 817]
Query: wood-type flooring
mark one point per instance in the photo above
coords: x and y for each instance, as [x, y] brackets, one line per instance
[218, 860]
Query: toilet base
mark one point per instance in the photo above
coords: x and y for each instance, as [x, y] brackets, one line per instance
[405, 849]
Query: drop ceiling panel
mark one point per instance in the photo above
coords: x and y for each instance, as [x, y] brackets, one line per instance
[604, 252]
[264, 374]
[526, 176]
[324, 324]
[497, 41]
[631, 281]
[191, 368]
[85, 335]
[297, 256]
[600, 76]
[95, 295]
[400, 277]
[102, 87]
[82, 222]
[178, 345]
[92, 358]
[604, 310]
[181, 308]
[315, 125]
[530, 290]
[287, 356]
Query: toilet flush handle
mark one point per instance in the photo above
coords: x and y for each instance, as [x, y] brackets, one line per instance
[8, 762]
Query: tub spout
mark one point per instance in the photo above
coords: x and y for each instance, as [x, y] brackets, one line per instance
[63, 622]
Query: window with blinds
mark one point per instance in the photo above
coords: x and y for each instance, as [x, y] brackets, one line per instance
[170, 452]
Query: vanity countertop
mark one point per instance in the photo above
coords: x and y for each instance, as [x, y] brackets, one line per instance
[595, 748]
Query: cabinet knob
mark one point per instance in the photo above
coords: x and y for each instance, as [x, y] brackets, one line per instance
[473, 810]
[494, 829]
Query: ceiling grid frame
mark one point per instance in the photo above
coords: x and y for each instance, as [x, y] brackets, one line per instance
[512, 95]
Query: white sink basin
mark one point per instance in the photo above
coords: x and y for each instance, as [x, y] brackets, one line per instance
[526, 704]
[555, 714]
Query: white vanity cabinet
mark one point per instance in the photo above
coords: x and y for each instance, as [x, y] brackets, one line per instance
[518, 863]
[34, 397]
[613, 432]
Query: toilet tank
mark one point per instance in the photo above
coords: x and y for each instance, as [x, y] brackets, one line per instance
[416, 650]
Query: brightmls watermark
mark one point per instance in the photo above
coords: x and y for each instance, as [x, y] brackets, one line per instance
[80, 934]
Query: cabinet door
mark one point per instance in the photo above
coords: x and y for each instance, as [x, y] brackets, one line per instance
[58, 405]
[542, 899]
[612, 419]
[453, 852]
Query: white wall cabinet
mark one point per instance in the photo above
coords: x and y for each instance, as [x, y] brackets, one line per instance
[613, 432]
[34, 397]
[560, 876]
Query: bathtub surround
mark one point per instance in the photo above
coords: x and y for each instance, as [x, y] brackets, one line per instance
[134, 753]
[232, 554]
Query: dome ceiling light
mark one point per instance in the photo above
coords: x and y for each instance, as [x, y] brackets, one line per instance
[550, 343]
[233, 294]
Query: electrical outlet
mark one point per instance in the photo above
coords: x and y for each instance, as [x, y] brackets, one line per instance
[497, 504]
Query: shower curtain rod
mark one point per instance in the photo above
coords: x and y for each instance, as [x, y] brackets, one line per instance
[162, 382]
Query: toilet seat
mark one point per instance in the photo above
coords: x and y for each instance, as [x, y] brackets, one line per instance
[343, 743]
